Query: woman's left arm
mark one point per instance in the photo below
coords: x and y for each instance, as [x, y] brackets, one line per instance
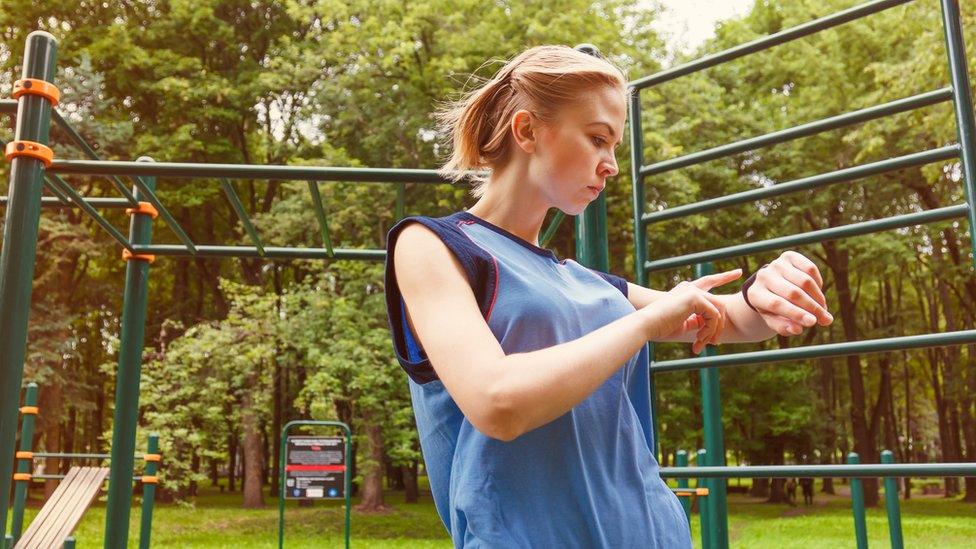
[787, 295]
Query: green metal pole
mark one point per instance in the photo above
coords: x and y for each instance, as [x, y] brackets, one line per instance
[127, 382]
[24, 464]
[704, 515]
[857, 504]
[148, 493]
[69, 543]
[714, 439]
[892, 505]
[963, 102]
[19, 251]
[681, 460]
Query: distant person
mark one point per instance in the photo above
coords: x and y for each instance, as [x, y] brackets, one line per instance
[806, 485]
[791, 491]
[529, 373]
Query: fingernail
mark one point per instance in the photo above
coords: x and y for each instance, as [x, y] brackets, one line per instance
[809, 320]
[796, 329]
[830, 317]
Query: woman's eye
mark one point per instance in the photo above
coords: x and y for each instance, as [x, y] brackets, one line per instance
[599, 141]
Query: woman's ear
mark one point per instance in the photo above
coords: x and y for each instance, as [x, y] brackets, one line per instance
[524, 129]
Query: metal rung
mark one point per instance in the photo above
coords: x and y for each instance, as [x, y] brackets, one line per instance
[806, 183]
[766, 42]
[270, 252]
[822, 471]
[66, 189]
[854, 229]
[965, 337]
[235, 203]
[803, 130]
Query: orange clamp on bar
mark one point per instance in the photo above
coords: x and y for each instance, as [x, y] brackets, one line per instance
[152, 457]
[31, 149]
[29, 410]
[128, 256]
[22, 476]
[144, 208]
[146, 479]
[35, 86]
[24, 455]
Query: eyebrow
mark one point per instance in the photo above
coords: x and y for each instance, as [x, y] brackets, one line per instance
[608, 126]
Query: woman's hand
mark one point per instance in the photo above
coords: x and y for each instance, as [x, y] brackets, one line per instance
[690, 307]
[788, 295]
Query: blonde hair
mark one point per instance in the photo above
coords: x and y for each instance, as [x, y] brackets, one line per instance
[540, 80]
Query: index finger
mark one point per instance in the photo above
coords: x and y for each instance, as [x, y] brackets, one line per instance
[714, 280]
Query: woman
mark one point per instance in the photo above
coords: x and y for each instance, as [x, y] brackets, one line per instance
[528, 374]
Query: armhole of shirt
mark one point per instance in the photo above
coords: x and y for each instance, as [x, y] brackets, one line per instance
[482, 275]
[614, 280]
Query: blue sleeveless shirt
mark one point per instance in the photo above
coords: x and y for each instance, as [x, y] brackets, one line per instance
[587, 478]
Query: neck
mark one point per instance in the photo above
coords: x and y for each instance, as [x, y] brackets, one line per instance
[510, 202]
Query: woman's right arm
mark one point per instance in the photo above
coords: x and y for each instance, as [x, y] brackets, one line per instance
[504, 396]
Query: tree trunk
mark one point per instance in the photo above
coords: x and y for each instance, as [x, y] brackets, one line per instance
[253, 460]
[412, 491]
[372, 496]
[231, 463]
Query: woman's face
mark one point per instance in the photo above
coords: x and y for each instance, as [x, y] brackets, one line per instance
[575, 154]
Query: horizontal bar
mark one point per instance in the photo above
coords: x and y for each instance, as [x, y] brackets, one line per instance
[803, 130]
[270, 252]
[51, 202]
[8, 106]
[65, 188]
[44, 477]
[90, 152]
[854, 229]
[62, 455]
[246, 171]
[171, 222]
[965, 337]
[828, 471]
[766, 42]
[807, 183]
[235, 202]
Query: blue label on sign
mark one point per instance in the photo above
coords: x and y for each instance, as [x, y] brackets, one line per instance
[297, 492]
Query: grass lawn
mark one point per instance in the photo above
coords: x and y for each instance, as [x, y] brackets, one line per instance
[216, 520]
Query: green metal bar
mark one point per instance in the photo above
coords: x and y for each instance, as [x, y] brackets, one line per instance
[270, 252]
[51, 188]
[69, 543]
[766, 42]
[65, 188]
[401, 201]
[19, 251]
[803, 130]
[45, 477]
[806, 183]
[148, 193]
[857, 505]
[346, 488]
[965, 337]
[591, 235]
[148, 495]
[246, 171]
[56, 203]
[235, 202]
[127, 381]
[550, 231]
[23, 465]
[714, 439]
[313, 189]
[704, 511]
[963, 103]
[83, 145]
[681, 460]
[812, 237]
[825, 471]
[892, 505]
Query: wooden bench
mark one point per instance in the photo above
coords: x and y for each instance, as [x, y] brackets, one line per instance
[63, 510]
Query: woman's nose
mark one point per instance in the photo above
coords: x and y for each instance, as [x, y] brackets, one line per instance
[608, 168]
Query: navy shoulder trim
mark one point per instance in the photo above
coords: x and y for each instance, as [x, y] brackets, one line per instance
[479, 266]
[616, 281]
